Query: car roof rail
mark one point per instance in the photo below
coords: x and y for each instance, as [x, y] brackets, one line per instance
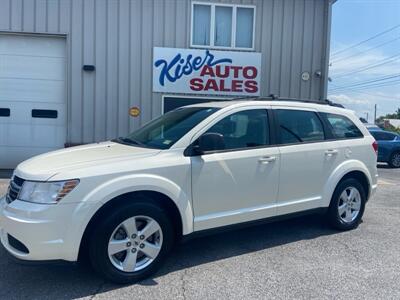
[273, 97]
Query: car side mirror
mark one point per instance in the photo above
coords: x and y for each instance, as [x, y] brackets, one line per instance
[208, 142]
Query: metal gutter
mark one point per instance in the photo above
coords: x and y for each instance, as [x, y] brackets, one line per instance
[327, 42]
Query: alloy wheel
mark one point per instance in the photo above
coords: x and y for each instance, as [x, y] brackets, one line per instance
[349, 204]
[135, 243]
[396, 160]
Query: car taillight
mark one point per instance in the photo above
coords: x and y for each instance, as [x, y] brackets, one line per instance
[375, 146]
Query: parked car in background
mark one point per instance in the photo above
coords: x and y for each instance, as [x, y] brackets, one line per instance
[372, 127]
[124, 203]
[388, 147]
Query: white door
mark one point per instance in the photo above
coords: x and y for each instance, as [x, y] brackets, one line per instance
[239, 182]
[32, 96]
[307, 160]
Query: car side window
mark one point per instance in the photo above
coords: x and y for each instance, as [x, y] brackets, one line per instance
[244, 129]
[375, 135]
[383, 136]
[299, 126]
[389, 136]
[342, 127]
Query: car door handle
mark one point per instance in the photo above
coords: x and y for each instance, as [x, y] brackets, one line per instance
[331, 152]
[266, 159]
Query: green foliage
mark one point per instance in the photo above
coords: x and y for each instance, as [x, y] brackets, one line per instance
[389, 127]
[395, 115]
[392, 128]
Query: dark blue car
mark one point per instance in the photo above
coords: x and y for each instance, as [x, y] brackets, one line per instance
[388, 147]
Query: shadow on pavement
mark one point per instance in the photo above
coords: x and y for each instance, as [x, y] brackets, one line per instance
[383, 166]
[70, 281]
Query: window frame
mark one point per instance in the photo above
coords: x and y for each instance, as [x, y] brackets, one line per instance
[277, 129]
[271, 130]
[212, 26]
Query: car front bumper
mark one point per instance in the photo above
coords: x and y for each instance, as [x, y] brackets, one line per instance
[48, 232]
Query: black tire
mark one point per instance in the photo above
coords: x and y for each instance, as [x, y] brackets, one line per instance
[335, 220]
[98, 243]
[393, 161]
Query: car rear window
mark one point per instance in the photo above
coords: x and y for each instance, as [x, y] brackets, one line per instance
[383, 136]
[342, 127]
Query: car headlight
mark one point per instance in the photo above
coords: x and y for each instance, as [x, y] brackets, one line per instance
[46, 192]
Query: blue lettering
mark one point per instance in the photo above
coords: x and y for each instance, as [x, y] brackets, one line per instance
[179, 66]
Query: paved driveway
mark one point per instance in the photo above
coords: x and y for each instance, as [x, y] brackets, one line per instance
[3, 186]
[300, 259]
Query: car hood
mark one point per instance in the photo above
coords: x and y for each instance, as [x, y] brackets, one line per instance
[47, 165]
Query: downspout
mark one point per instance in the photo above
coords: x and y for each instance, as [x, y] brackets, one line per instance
[327, 42]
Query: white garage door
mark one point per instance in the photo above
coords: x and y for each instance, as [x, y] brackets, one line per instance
[32, 96]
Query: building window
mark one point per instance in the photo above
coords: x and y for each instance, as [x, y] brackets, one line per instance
[223, 26]
[201, 24]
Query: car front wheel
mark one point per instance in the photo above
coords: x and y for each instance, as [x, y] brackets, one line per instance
[131, 243]
[347, 205]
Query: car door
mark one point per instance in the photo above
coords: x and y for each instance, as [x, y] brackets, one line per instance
[238, 182]
[307, 159]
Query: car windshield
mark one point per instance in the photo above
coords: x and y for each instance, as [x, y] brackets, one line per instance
[163, 132]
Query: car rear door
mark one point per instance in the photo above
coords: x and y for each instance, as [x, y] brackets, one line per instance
[307, 158]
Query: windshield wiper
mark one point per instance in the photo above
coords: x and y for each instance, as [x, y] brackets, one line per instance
[130, 141]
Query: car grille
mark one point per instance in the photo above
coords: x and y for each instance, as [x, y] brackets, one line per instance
[14, 188]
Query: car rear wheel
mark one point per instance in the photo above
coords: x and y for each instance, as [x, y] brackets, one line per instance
[347, 205]
[131, 243]
[394, 160]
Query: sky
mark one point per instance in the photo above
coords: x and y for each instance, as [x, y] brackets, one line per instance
[369, 73]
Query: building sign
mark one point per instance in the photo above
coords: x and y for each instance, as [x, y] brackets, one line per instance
[209, 72]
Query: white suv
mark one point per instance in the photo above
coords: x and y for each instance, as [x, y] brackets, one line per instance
[124, 203]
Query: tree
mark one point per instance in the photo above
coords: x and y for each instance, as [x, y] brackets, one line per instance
[396, 115]
[389, 127]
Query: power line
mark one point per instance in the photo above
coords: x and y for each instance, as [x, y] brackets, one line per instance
[368, 81]
[365, 51]
[364, 41]
[365, 93]
[353, 91]
[374, 85]
[371, 66]
[389, 82]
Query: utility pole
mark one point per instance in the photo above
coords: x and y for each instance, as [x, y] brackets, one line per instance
[366, 113]
[375, 114]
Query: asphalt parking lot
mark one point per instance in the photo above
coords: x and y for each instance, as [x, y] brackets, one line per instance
[300, 258]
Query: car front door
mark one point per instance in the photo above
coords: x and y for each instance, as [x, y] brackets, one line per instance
[239, 181]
